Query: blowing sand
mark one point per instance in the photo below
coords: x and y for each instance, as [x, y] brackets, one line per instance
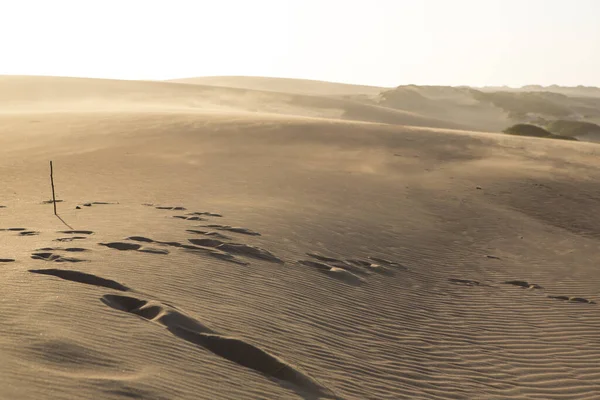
[235, 243]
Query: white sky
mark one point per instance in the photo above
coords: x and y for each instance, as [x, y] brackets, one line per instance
[377, 42]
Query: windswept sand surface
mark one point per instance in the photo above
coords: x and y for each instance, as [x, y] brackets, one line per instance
[298, 86]
[228, 253]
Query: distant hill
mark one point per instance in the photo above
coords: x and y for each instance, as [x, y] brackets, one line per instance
[492, 109]
[573, 128]
[534, 131]
[576, 91]
[590, 91]
[521, 106]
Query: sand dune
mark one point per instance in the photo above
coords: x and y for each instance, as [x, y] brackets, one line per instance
[226, 254]
[19, 94]
[283, 85]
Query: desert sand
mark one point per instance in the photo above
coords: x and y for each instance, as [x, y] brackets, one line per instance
[279, 240]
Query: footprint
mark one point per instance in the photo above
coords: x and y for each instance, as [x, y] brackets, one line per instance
[29, 233]
[82, 277]
[140, 239]
[364, 267]
[134, 247]
[208, 214]
[69, 249]
[122, 246]
[170, 208]
[238, 248]
[54, 257]
[52, 201]
[189, 218]
[493, 257]
[466, 282]
[13, 229]
[335, 272]
[153, 251]
[324, 258]
[206, 242]
[250, 251]
[74, 232]
[361, 263]
[154, 311]
[209, 233]
[388, 263]
[96, 203]
[216, 253]
[191, 330]
[211, 251]
[2, 206]
[70, 239]
[523, 284]
[172, 244]
[380, 269]
[232, 349]
[6, 260]
[572, 299]
[235, 229]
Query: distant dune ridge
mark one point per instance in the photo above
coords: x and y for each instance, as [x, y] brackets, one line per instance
[257, 238]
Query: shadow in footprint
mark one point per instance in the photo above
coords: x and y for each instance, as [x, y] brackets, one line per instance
[206, 242]
[28, 233]
[52, 201]
[208, 214]
[334, 272]
[523, 284]
[6, 260]
[76, 232]
[70, 239]
[204, 249]
[54, 258]
[153, 251]
[140, 239]
[359, 268]
[250, 251]
[189, 218]
[362, 267]
[572, 299]
[82, 277]
[235, 229]
[68, 249]
[389, 263]
[324, 258]
[209, 233]
[215, 253]
[122, 246]
[466, 282]
[95, 203]
[238, 248]
[232, 349]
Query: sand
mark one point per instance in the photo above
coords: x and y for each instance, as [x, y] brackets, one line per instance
[236, 243]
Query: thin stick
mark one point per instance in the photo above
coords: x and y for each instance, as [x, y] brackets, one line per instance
[52, 182]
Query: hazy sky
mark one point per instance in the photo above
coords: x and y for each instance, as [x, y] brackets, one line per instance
[377, 42]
